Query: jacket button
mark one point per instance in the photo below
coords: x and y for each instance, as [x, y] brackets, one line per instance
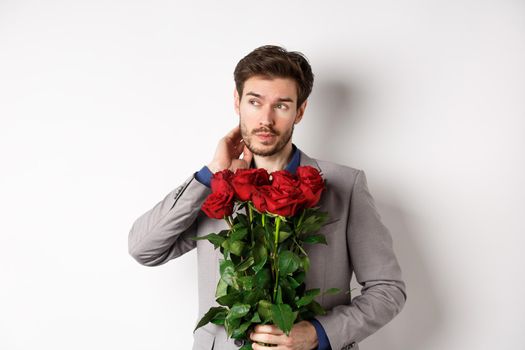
[239, 342]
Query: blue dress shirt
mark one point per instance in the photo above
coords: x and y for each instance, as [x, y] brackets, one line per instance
[204, 176]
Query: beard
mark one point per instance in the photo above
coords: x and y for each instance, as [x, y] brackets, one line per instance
[265, 151]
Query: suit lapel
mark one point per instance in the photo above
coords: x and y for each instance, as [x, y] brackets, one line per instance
[306, 160]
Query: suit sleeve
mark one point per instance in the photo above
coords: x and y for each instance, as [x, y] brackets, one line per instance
[164, 232]
[376, 268]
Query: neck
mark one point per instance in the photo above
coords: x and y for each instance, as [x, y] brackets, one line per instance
[275, 162]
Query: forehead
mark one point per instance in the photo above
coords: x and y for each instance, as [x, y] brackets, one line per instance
[272, 88]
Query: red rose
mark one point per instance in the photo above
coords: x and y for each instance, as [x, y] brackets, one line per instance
[218, 205]
[220, 202]
[221, 180]
[281, 202]
[284, 180]
[245, 181]
[311, 184]
[259, 198]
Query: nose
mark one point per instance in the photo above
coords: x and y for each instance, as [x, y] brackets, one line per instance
[267, 115]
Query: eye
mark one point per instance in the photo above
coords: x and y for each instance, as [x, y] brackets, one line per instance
[253, 102]
[281, 106]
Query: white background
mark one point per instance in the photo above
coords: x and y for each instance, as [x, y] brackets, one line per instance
[106, 106]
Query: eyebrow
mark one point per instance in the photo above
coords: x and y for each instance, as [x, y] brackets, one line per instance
[280, 99]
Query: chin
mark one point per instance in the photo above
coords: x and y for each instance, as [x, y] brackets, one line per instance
[265, 150]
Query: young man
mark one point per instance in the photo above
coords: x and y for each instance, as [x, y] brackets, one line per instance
[272, 87]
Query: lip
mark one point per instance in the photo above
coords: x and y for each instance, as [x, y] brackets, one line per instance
[264, 136]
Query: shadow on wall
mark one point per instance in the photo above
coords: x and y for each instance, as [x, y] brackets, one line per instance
[339, 111]
[335, 116]
[329, 115]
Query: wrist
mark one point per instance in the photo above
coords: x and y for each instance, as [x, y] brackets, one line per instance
[215, 167]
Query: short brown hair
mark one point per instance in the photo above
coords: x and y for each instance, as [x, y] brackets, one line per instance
[276, 62]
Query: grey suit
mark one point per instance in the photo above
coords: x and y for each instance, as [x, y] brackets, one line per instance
[357, 242]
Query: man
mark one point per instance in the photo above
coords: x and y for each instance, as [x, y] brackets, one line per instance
[272, 87]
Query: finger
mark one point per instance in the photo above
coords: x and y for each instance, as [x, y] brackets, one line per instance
[256, 346]
[268, 338]
[234, 133]
[268, 328]
[247, 155]
[239, 147]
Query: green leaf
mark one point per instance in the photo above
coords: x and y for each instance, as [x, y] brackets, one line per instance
[227, 271]
[315, 292]
[283, 317]
[246, 282]
[260, 254]
[236, 247]
[219, 318]
[245, 264]
[237, 226]
[288, 262]
[332, 291]
[308, 297]
[256, 318]
[222, 288]
[264, 309]
[287, 290]
[293, 283]
[230, 324]
[284, 235]
[243, 219]
[305, 263]
[312, 239]
[212, 312]
[279, 296]
[229, 299]
[239, 331]
[239, 234]
[258, 233]
[313, 221]
[268, 236]
[253, 296]
[214, 238]
[316, 308]
[238, 310]
[300, 276]
[263, 278]
[233, 320]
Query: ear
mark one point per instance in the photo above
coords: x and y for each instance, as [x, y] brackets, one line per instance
[300, 112]
[236, 101]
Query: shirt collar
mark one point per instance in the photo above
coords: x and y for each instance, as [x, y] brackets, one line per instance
[294, 162]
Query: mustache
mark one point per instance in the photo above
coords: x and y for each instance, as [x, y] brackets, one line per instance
[266, 131]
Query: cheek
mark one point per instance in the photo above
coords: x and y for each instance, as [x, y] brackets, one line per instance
[247, 110]
[246, 125]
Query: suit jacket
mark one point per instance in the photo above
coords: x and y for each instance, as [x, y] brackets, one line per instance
[358, 242]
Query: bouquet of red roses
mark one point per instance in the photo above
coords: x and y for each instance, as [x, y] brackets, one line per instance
[264, 263]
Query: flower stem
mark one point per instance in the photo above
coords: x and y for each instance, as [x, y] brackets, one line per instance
[275, 259]
[249, 212]
[299, 246]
